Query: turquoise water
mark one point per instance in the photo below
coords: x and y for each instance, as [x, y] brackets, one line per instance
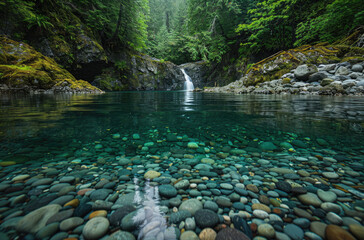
[43, 126]
[171, 165]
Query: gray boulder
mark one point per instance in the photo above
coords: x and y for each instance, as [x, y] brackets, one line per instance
[342, 71]
[357, 68]
[303, 72]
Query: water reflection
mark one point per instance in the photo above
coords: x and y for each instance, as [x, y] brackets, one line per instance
[188, 101]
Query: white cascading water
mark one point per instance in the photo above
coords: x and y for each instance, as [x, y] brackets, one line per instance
[188, 86]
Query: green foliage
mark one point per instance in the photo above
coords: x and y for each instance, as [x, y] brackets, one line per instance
[121, 65]
[36, 20]
[340, 17]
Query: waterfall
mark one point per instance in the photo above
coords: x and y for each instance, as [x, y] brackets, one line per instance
[188, 86]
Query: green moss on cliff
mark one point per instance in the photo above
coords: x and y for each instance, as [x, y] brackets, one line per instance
[21, 66]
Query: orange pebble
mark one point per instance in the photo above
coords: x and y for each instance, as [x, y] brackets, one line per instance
[99, 213]
[83, 191]
[73, 203]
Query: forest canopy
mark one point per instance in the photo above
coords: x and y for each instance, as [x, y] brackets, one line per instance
[191, 30]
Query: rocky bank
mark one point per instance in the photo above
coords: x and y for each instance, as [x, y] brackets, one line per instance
[319, 69]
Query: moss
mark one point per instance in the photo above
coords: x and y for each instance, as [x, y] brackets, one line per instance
[27, 67]
[286, 80]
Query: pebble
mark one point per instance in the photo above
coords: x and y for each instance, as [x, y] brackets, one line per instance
[95, 228]
[70, 223]
[333, 232]
[189, 235]
[326, 196]
[260, 214]
[266, 230]
[293, 231]
[330, 175]
[231, 234]
[310, 199]
[191, 205]
[207, 234]
[37, 219]
[357, 230]
[206, 218]
[318, 228]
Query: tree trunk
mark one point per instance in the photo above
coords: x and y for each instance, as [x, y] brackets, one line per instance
[117, 29]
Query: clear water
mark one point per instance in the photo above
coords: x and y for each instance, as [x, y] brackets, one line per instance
[42, 127]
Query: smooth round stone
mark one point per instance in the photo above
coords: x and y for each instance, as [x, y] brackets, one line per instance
[82, 210]
[167, 191]
[211, 205]
[206, 218]
[175, 202]
[294, 232]
[282, 236]
[190, 224]
[95, 228]
[333, 232]
[191, 205]
[43, 181]
[275, 217]
[260, 206]
[273, 194]
[238, 205]
[100, 194]
[99, 213]
[302, 222]
[60, 216]
[266, 230]
[207, 161]
[312, 236]
[67, 179]
[192, 145]
[260, 214]
[282, 170]
[330, 175]
[263, 162]
[179, 216]
[20, 177]
[284, 186]
[195, 193]
[189, 235]
[347, 221]
[310, 199]
[326, 196]
[121, 235]
[70, 223]
[47, 231]
[183, 184]
[151, 174]
[223, 202]
[207, 234]
[334, 218]
[124, 161]
[318, 228]
[303, 173]
[226, 186]
[231, 234]
[357, 230]
[331, 207]
[37, 219]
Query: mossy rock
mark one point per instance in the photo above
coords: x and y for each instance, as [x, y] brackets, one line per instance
[21, 66]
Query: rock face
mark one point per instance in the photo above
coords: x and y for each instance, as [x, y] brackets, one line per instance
[132, 70]
[198, 71]
[24, 69]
